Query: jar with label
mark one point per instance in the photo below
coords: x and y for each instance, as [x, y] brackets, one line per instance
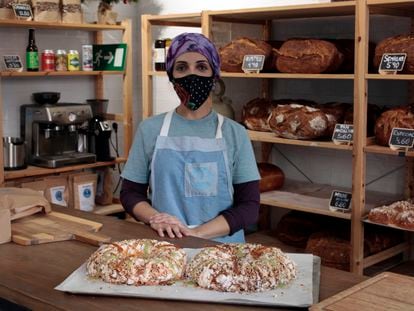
[61, 61]
[48, 60]
[159, 55]
[73, 60]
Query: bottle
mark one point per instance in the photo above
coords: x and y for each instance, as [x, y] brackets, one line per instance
[159, 55]
[32, 55]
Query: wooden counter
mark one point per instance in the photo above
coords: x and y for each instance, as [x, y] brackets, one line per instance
[29, 273]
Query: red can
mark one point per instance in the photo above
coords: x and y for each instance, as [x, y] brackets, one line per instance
[48, 60]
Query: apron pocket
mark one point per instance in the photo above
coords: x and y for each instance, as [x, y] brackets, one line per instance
[201, 179]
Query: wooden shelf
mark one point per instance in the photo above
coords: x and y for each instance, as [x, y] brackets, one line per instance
[269, 137]
[54, 26]
[387, 150]
[272, 75]
[314, 198]
[344, 8]
[108, 209]
[391, 7]
[184, 20]
[38, 171]
[373, 76]
[59, 73]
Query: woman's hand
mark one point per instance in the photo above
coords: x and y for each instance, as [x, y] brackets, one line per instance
[163, 222]
[182, 94]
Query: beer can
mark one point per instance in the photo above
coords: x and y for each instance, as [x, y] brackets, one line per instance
[73, 60]
[87, 57]
[61, 62]
[48, 60]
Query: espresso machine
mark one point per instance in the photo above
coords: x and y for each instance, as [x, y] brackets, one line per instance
[53, 134]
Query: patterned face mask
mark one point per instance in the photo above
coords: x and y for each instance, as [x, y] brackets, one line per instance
[198, 89]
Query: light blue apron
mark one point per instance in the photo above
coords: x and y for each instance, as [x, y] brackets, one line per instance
[190, 178]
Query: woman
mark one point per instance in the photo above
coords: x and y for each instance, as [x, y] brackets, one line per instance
[199, 166]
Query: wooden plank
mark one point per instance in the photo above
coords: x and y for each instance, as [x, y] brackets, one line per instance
[386, 291]
[108, 209]
[388, 253]
[272, 138]
[147, 85]
[374, 76]
[387, 150]
[38, 171]
[68, 26]
[59, 73]
[360, 112]
[127, 88]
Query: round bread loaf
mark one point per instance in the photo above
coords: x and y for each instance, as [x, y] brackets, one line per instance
[255, 114]
[298, 122]
[402, 117]
[308, 56]
[241, 267]
[137, 262]
[272, 177]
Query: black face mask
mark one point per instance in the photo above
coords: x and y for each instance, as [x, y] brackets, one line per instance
[197, 87]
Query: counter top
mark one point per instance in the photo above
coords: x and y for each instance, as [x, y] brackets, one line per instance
[30, 273]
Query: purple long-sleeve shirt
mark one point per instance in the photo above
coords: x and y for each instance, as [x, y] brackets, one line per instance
[244, 212]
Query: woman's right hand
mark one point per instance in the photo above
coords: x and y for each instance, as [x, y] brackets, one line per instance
[165, 223]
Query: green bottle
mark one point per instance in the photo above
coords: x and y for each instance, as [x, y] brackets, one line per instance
[32, 55]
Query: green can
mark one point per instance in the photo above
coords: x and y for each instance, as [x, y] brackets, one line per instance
[73, 60]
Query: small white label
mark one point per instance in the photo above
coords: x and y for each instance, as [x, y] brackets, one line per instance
[57, 195]
[159, 55]
[86, 197]
[119, 56]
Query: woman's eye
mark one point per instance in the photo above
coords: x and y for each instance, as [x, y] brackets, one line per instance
[180, 68]
[202, 67]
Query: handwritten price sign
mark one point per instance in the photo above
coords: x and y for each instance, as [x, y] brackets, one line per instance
[392, 62]
[340, 200]
[401, 138]
[253, 63]
[343, 133]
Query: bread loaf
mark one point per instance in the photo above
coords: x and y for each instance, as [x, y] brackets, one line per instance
[373, 113]
[397, 44]
[232, 54]
[399, 213]
[335, 113]
[272, 177]
[402, 117]
[255, 114]
[298, 122]
[308, 56]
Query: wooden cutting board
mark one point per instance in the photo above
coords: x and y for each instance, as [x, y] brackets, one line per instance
[386, 291]
[53, 227]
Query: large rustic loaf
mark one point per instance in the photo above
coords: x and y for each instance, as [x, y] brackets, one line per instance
[272, 177]
[373, 113]
[308, 56]
[402, 117]
[335, 113]
[255, 114]
[397, 44]
[232, 54]
[296, 121]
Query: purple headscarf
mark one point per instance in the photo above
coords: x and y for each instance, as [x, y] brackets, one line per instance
[193, 42]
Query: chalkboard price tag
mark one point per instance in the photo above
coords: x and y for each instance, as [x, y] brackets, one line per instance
[253, 63]
[13, 63]
[340, 201]
[343, 133]
[401, 138]
[22, 11]
[392, 62]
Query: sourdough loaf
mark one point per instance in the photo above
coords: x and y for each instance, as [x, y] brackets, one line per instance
[397, 44]
[402, 117]
[255, 114]
[232, 54]
[296, 121]
[272, 177]
[308, 56]
[335, 113]
[373, 113]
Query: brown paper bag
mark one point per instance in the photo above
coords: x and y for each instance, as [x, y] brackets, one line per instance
[84, 190]
[72, 11]
[5, 225]
[39, 186]
[104, 195]
[57, 191]
[46, 10]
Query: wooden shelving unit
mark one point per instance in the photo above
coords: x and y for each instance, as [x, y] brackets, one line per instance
[308, 197]
[125, 117]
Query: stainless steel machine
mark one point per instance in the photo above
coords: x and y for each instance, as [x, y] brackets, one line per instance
[54, 134]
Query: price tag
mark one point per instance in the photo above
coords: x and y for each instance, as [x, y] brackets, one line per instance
[13, 63]
[401, 138]
[392, 62]
[23, 11]
[253, 63]
[343, 133]
[340, 201]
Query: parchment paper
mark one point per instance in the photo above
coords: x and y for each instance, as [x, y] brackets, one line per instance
[302, 292]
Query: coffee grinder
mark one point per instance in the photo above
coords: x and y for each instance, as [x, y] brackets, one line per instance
[99, 130]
